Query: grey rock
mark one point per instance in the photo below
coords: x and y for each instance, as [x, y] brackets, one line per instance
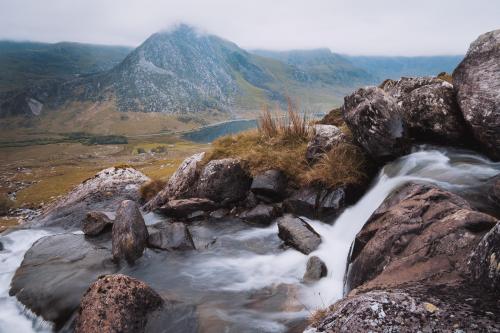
[376, 122]
[219, 213]
[1, 246]
[447, 309]
[484, 262]
[182, 208]
[261, 214]
[103, 192]
[315, 269]
[181, 185]
[270, 184]
[325, 138]
[322, 204]
[429, 109]
[95, 223]
[57, 270]
[477, 85]
[117, 303]
[224, 180]
[298, 234]
[129, 234]
[170, 236]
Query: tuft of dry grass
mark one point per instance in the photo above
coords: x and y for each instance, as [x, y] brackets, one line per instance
[445, 77]
[292, 127]
[345, 164]
[149, 190]
[318, 315]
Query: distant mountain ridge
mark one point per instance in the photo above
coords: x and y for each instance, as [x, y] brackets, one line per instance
[183, 71]
[25, 63]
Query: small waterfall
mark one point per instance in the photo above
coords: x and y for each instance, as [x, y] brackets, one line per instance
[247, 259]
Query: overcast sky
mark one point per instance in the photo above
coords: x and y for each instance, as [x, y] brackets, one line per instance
[392, 27]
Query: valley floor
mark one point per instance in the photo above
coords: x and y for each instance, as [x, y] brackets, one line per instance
[33, 175]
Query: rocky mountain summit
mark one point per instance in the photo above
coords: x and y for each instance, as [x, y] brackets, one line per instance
[425, 260]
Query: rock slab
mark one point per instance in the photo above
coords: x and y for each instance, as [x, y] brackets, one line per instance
[298, 234]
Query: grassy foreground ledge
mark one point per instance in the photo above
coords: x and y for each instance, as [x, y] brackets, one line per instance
[281, 143]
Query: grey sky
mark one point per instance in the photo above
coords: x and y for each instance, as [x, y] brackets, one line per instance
[393, 27]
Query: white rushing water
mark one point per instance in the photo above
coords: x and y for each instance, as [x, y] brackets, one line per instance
[455, 171]
[261, 264]
[13, 316]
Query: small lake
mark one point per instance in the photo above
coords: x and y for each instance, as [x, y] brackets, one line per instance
[209, 133]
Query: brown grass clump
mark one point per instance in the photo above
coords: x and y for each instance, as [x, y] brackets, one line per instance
[150, 189]
[282, 143]
[317, 316]
[345, 164]
[445, 77]
[334, 117]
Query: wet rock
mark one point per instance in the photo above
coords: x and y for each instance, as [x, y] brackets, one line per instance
[376, 122]
[1, 246]
[325, 137]
[181, 185]
[429, 109]
[419, 233]
[182, 208]
[95, 223]
[322, 204]
[298, 234]
[484, 262]
[103, 192]
[477, 84]
[261, 214]
[57, 270]
[495, 191]
[129, 234]
[170, 236]
[224, 180]
[219, 213]
[443, 309]
[315, 269]
[117, 303]
[270, 185]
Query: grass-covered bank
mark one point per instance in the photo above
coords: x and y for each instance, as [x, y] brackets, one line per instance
[281, 143]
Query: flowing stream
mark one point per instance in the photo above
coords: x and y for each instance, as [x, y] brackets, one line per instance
[241, 279]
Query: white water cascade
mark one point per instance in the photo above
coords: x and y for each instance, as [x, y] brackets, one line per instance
[234, 268]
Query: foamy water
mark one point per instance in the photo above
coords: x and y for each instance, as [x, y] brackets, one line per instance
[249, 259]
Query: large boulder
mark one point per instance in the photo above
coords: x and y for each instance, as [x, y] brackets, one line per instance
[103, 192]
[325, 137]
[484, 262]
[420, 233]
[181, 185]
[224, 181]
[442, 309]
[376, 122]
[117, 303]
[129, 234]
[57, 270]
[96, 223]
[322, 204]
[182, 208]
[270, 185]
[170, 236]
[297, 233]
[477, 84]
[429, 109]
